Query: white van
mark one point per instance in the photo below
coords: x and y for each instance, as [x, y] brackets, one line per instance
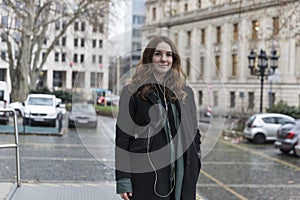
[4, 102]
[41, 109]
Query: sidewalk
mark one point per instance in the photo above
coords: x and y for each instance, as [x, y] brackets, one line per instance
[59, 191]
[5, 188]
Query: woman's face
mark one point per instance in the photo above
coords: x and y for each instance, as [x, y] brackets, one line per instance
[162, 58]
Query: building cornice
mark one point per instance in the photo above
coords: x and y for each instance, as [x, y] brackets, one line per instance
[216, 12]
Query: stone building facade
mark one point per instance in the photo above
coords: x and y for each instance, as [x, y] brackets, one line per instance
[215, 37]
[79, 59]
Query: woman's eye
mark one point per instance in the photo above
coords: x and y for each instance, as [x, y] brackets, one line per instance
[157, 54]
[169, 54]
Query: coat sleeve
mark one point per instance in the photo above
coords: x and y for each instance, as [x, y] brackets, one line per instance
[193, 111]
[122, 139]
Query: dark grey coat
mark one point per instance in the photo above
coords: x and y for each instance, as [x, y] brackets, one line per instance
[132, 133]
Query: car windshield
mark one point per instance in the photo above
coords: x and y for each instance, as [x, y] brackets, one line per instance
[40, 101]
[83, 108]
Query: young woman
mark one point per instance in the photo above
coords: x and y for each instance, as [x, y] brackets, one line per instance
[157, 137]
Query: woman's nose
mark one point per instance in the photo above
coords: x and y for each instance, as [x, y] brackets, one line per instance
[164, 57]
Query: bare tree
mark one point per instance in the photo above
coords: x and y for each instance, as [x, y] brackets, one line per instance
[25, 27]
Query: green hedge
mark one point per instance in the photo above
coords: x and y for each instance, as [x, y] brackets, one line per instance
[283, 108]
[110, 111]
[64, 95]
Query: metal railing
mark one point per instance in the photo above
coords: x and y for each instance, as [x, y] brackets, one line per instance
[14, 145]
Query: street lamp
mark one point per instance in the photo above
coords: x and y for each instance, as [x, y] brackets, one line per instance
[261, 71]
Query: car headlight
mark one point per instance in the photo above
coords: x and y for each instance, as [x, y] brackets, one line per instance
[52, 114]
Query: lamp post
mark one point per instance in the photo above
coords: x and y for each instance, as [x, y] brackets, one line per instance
[262, 70]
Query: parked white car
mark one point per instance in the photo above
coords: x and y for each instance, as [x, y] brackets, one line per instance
[41, 109]
[4, 100]
[263, 127]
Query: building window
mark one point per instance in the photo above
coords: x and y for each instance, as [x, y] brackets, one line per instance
[153, 13]
[64, 23]
[57, 25]
[136, 33]
[100, 43]
[100, 59]
[3, 55]
[94, 28]
[216, 98]
[236, 32]
[203, 36]
[232, 99]
[255, 29]
[76, 26]
[188, 67]
[186, 7]
[75, 42]
[82, 26]
[200, 97]
[250, 100]
[81, 58]
[135, 58]
[272, 99]
[18, 23]
[96, 79]
[3, 75]
[57, 8]
[63, 41]
[82, 42]
[16, 54]
[218, 64]
[101, 28]
[199, 4]
[57, 79]
[176, 39]
[218, 34]
[75, 58]
[4, 21]
[202, 65]
[234, 65]
[94, 43]
[297, 60]
[136, 46]
[63, 57]
[56, 56]
[275, 26]
[93, 59]
[189, 36]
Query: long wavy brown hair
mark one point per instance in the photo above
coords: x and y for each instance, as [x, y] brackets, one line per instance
[143, 79]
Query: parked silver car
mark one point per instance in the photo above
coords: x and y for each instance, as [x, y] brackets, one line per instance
[83, 115]
[263, 127]
[297, 148]
[287, 137]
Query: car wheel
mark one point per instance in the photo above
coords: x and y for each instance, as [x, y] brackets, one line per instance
[259, 138]
[71, 125]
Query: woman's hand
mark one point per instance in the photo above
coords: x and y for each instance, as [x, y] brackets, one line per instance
[126, 195]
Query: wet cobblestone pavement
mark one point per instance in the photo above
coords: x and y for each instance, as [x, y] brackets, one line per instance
[249, 171]
[229, 171]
